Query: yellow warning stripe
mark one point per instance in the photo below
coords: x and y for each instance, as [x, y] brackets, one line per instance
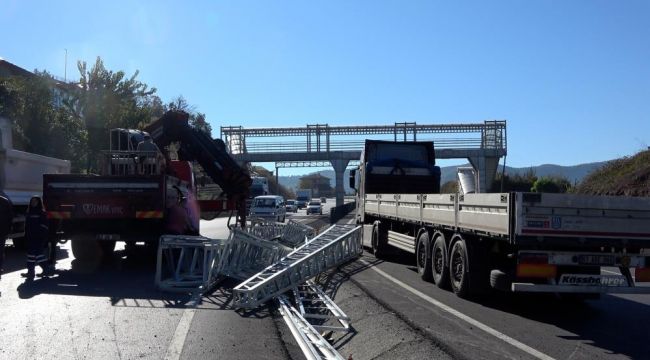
[149, 214]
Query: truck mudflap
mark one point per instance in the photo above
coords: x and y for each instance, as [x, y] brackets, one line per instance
[546, 265]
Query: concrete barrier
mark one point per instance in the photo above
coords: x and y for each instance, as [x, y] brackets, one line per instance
[338, 212]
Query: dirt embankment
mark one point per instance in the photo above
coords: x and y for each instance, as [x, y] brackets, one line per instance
[629, 176]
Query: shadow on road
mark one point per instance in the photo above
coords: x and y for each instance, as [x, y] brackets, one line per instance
[16, 259]
[125, 279]
[615, 324]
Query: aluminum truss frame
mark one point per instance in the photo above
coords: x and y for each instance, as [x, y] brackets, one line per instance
[313, 303]
[334, 246]
[187, 263]
[312, 344]
[245, 254]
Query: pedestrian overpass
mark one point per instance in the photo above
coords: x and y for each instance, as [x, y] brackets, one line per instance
[320, 145]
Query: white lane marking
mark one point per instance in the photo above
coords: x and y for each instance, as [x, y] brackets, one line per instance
[175, 347]
[519, 345]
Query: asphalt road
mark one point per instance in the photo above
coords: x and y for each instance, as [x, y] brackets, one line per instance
[113, 310]
[616, 326]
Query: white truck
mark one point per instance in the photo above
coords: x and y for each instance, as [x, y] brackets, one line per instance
[21, 177]
[303, 197]
[519, 242]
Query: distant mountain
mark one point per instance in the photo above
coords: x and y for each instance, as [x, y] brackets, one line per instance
[573, 173]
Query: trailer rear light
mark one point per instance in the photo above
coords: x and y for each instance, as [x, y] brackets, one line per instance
[535, 265]
[642, 274]
[536, 270]
[59, 215]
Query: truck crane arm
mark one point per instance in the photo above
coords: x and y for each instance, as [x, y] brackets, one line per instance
[210, 153]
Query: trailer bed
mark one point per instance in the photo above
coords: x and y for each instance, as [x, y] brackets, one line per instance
[523, 217]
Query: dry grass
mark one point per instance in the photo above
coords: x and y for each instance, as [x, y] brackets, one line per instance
[629, 176]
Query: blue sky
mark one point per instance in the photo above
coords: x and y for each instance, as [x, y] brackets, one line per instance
[571, 77]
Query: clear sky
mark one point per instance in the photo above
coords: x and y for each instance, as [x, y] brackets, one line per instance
[571, 77]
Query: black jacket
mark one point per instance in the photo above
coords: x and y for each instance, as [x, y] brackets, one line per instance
[6, 215]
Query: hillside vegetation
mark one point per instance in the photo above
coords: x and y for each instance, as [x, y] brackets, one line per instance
[628, 176]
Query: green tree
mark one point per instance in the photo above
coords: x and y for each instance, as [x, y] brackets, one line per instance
[39, 124]
[104, 100]
[550, 184]
[197, 119]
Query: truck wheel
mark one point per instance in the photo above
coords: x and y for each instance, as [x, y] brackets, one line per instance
[458, 269]
[467, 269]
[86, 249]
[423, 257]
[439, 264]
[379, 238]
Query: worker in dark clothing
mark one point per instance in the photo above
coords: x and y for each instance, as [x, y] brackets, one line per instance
[6, 219]
[36, 233]
[149, 154]
[177, 217]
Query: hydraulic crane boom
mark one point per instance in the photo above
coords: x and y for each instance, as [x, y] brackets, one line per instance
[210, 153]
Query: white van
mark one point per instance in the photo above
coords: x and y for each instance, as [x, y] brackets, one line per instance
[268, 207]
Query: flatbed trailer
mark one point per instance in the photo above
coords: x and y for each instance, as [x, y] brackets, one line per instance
[519, 242]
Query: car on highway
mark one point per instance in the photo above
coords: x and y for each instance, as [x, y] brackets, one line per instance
[269, 207]
[291, 206]
[315, 207]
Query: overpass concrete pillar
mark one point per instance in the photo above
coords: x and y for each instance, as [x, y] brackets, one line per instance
[339, 166]
[486, 170]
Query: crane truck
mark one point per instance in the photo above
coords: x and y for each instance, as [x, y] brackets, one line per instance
[516, 241]
[129, 200]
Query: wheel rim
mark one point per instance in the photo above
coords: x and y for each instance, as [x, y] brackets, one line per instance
[457, 268]
[421, 255]
[438, 260]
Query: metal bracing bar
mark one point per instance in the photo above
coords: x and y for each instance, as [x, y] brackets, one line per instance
[246, 254]
[296, 234]
[334, 246]
[313, 303]
[312, 344]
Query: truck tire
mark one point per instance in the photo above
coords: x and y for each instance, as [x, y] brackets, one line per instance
[500, 280]
[86, 249]
[379, 241]
[458, 275]
[423, 257]
[467, 270]
[439, 263]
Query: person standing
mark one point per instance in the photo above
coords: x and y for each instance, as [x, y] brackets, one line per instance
[150, 152]
[6, 219]
[36, 233]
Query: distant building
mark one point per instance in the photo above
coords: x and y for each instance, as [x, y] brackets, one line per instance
[60, 89]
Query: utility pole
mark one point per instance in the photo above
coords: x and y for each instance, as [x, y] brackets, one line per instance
[65, 70]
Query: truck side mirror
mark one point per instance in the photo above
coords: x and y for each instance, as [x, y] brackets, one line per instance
[352, 180]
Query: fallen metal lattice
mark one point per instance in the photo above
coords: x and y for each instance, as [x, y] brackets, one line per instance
[187, 263]
[245, 255]
[312, 344]
[296, 234]
[315, 305]
[334, 246]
